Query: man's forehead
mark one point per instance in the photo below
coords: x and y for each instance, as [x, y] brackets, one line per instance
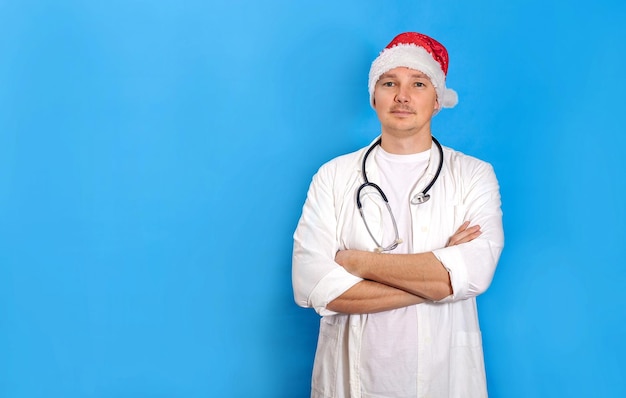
[402, 70]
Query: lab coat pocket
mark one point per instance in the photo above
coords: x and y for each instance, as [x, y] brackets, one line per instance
[447, 217]
[460, 214]
[326, 357]
[467, 368]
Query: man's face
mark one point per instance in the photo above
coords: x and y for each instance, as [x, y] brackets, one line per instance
[405, 101]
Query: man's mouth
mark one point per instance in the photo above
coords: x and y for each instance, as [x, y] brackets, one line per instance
[402, 111]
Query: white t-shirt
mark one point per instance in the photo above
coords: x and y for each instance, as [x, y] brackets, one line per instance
[398, 176]
[390, 341]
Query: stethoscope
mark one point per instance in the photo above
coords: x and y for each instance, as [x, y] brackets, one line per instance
[417, 199]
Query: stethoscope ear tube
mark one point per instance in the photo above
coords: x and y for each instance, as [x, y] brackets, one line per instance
[432, 182]
[367, 154]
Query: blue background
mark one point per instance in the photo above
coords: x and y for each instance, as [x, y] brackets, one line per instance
[155, 155]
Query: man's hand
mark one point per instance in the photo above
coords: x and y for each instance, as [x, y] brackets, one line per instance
[349, 259]
[464, 234]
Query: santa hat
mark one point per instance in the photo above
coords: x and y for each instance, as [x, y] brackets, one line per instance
[420, 52]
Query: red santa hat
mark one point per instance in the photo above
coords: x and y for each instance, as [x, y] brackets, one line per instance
[420, 52]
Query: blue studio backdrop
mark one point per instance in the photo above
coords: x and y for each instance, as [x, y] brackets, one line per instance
[155, 155]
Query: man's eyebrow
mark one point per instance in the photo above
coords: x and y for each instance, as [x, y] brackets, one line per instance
[388, 76]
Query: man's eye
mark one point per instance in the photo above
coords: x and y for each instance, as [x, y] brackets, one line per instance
[388, 84]
[419, 84]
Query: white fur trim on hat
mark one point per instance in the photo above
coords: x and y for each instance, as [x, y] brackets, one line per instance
[414, 57]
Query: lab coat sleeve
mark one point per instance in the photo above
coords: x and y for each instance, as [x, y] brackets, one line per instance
[472, 265]
[317, 279]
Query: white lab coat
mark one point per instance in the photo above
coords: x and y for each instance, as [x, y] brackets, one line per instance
[449, 352]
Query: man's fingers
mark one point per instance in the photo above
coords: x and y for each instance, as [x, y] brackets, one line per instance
[465, 234]
[462, 227]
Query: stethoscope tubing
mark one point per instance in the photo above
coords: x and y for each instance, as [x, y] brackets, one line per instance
[419, 198]
[367, 182]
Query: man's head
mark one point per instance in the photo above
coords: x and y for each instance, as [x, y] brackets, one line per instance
[421, 53]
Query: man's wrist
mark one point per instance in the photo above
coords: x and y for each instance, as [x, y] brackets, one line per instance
[364, 262]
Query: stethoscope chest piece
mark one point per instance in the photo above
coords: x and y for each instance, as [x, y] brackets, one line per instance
[420, 198]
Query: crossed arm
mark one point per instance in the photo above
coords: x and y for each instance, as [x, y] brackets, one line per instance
[396, 280]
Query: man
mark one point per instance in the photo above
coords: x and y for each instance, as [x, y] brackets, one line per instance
[395, 242]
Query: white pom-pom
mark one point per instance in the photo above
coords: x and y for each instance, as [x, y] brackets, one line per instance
[450, 98]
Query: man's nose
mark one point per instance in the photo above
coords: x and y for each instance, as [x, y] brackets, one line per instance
[402, 95]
